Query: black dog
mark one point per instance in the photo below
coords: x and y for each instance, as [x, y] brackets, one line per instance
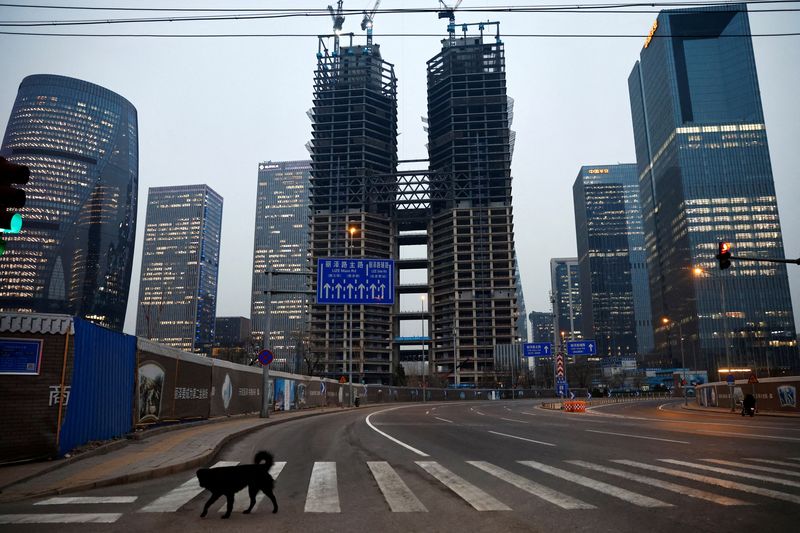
[229, 480]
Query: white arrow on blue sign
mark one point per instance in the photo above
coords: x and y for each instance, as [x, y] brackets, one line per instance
[355, 281]
[537, 349]
[587, 347]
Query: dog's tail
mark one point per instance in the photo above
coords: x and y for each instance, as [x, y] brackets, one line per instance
[264, 456]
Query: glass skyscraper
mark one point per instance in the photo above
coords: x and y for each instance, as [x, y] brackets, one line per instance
[281, 243]
[75, 252]
[180, 264]
[615, 295]
[705, 176]
[566, 298]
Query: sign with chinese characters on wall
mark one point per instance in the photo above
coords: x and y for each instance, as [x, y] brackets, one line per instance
[20, 356]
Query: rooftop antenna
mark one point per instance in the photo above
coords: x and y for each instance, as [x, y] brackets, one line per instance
[366, 22]
[338, 22]
[449, 13]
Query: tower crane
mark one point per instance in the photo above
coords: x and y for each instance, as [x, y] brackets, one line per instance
[338, 22]
[366, 22]
[449, 13]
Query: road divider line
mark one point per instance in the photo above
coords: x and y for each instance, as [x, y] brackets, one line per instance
[61, 518]
[323, 489]
[636, 436]
[666, 485]
[70, 500]
[782, 471]
[748, 435]
[513, 420]
[443, 419]
[713, 481]
[632, 497]
[176, 498]
[396, 441]
[395, 491]
[531, 487]
[521, 438]
[478, 499]
[737, 473]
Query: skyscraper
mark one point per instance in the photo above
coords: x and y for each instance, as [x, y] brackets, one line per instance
[474, 290]
[281, 243]
[566, 298]
[615, 295]
[541, 326]
[180, 263]
[705, 176]
[75, 252]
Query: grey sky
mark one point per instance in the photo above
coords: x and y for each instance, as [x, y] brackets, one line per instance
[211, 109]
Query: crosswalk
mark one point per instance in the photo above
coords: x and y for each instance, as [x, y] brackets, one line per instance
[660, 483]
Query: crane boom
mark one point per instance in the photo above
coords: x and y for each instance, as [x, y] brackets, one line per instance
[366, 22]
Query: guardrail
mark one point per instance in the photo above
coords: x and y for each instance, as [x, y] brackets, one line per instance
[579, 406]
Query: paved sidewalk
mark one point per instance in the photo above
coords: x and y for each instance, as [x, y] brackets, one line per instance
[738, 412]
[159, 454]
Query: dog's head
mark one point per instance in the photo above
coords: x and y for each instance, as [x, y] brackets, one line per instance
[202, 477]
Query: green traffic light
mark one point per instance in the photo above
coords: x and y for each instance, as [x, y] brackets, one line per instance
[2, 246]
[14, 224]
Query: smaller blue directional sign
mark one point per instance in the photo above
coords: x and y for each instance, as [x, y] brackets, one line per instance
[537, 349]
[581, 347]
[562, 389]
[355, 281]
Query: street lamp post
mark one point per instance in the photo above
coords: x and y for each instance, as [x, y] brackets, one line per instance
[422, 339]
[667, 321]
[351, 231]
[700, 272]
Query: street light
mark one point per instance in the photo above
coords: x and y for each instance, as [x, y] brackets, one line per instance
[666, 321]
[351, 231]
[422, 338]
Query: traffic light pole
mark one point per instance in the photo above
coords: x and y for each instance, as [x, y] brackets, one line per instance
[766, 260]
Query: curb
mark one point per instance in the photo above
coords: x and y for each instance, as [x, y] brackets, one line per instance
[149, 474]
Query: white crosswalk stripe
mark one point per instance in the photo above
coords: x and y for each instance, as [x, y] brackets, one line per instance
[323, 490]
[69, 500]
[732, 472]
[714, 481]
[666, 485]
[545, 493]
[61, 518]
[782, 471]
[474, 496]
[242, 500]
[771, 462]
[632, 497]
[177, 498]
[395, 491]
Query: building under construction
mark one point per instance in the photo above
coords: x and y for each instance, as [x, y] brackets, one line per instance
[459, 209]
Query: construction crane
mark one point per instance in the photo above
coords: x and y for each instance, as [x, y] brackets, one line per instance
[366, 22]
[338, 22]
[449, 13]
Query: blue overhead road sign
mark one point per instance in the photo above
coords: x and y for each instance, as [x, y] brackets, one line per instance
[581, 348]
[355, 281]
[537, 349]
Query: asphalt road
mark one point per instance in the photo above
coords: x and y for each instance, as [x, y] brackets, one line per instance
[489, 466]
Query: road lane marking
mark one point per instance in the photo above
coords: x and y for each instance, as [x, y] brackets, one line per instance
[531, 487]
[323, 490]
[69, 500]
[637, 499]
[714, 481]
[242, 502]
[782, 471]
[396, 441]
[522, 438]
[443, 419]
[176, 498]
[771, 462]
[527, 413]
[730, 472]
[637, 436]
[666, 485]
[395, 491]
[513, 420]
[747, 435]
[479, 500]
[61, 518]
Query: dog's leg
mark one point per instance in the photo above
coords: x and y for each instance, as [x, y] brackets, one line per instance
[271, 496]
[229, 496]
[253, 492]
[214, 497]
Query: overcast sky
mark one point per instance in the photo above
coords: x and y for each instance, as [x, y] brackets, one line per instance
[211, 109]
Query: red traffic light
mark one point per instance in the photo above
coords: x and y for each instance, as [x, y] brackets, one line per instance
[724, 255]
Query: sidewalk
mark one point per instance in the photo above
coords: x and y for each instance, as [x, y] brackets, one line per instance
[737, 412]
[157, 453]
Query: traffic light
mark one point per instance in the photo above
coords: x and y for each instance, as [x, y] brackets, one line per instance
[11, 197]
[724, 255]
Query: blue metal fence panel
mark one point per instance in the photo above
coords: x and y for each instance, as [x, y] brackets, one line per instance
[101, 396]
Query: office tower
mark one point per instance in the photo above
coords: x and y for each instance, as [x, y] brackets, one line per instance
[615, 294]
[472, 259]
[180, 263]
[566, 298]
[231, 331]
[354, 140]
[75, 252]
[522, 318]
[705, 176]
[541, 326]
[281, 243]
